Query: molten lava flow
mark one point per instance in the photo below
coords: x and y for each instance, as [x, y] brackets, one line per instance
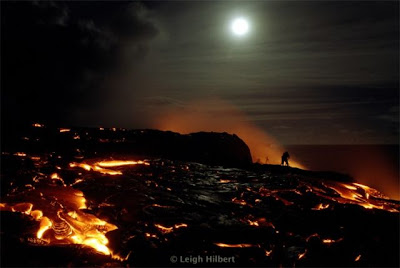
[223, 245]
[321, 207]
[180, 225]
[55, 176]
[331, 241]
[106, 171]
[118, 163]
[261, 222]
[64, 130]
[23, 208]
[166, 230]
[301, 255]
[81, 165]
[163, 229]
[100, 166]
[267, 192]
[37, 214]
[239, 201]
[59, 209]
[76, 182]
[358, 194]
[45, 224]
[253, 223]
[151, 235]
[160, 206]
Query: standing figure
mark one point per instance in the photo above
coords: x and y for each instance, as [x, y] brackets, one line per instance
[285, 159]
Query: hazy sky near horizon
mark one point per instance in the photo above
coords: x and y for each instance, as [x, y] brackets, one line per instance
[306, 72]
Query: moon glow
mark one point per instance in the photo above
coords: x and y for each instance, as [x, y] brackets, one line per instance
[240, 26]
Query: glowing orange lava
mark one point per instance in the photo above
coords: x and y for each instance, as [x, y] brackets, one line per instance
[58, 209]
[163, 229]
[55, 176]
[100, 166]
[239, 201]
[118, 163]
[166, 230]
[301, 255]
[359, 194]
[261, 222]
[331, 241]
[223, 245]
[180, 225]
[321, 207]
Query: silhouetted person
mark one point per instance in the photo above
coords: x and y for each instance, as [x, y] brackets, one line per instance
[285, 159]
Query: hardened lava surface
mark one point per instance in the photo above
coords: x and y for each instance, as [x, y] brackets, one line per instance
[139, 212]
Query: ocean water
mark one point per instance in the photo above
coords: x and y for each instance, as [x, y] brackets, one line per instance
[374, 165]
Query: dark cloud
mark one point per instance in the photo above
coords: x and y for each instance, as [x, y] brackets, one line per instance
[326, 70]
[57, 55]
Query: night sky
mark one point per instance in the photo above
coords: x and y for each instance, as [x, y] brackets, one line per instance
[306, 72]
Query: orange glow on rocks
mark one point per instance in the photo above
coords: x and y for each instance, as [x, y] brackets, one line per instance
[219, 116]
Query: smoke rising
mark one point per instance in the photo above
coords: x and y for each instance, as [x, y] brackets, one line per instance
[220, 116]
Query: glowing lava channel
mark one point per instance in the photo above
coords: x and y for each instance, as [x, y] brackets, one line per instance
[62, 221]
[104, 166]
[361, 195]
[58, 209]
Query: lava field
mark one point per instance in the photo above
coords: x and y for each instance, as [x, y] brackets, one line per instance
[113, 209]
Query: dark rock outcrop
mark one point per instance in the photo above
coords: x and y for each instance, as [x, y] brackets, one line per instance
[210, 148]
[204, 147]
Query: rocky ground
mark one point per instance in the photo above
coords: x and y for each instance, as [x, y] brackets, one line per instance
[59, 209]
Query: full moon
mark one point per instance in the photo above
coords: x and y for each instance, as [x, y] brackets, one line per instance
[240, 26]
